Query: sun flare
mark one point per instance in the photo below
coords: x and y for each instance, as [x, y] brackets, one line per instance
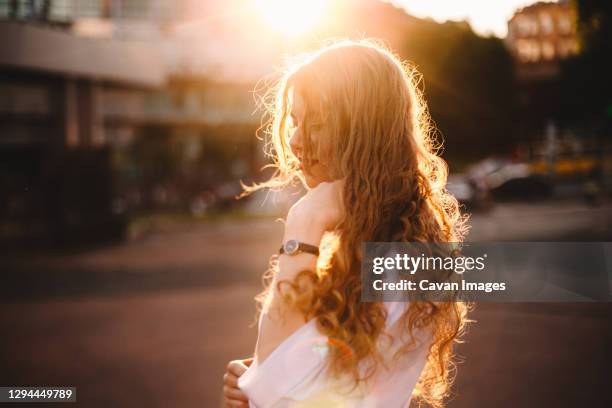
[292, 17]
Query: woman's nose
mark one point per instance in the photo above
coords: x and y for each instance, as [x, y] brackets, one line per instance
[295, 143]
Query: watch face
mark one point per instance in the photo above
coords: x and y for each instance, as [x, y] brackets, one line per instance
[291, 246]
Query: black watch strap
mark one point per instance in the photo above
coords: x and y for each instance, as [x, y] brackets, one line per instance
[293, 246]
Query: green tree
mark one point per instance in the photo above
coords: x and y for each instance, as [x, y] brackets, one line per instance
[469, 83]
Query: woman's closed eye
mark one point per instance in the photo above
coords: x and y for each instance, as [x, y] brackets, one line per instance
[316, 127]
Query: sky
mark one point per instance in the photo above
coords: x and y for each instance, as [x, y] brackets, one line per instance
[485, 16]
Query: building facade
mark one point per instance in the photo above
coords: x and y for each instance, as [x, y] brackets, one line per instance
[541, 35]
[98, 95]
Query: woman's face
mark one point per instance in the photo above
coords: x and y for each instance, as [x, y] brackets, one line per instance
[314, 168]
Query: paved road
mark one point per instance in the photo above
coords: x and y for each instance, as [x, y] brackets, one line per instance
[153, 322]
[162, 349]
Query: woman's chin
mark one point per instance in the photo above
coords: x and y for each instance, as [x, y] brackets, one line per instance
[311, 182]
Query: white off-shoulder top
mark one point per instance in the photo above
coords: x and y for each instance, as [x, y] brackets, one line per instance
[294, 374]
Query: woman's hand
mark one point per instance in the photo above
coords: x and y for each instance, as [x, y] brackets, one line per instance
[320, 209]
[233, 395]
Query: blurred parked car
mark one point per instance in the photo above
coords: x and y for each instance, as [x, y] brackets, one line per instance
[498, 179]
[469, 192]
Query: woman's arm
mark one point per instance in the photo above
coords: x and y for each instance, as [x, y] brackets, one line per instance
[279, 321]
[317, 212]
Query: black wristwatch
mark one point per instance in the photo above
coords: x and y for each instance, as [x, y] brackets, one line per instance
[293, 246]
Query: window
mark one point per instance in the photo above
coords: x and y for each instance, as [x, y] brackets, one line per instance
[546, 23]
[548, 50]
[528, 50]
[564, 24]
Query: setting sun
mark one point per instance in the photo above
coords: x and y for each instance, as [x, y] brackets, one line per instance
[292, 17]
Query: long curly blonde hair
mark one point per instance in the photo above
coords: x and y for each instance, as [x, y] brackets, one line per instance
[384, 146]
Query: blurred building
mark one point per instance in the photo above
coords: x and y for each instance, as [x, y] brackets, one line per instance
[55, 160]
[201, 37]
[541, 35]
[113, 105]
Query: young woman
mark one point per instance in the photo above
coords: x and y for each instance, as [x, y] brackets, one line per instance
[350, 123]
